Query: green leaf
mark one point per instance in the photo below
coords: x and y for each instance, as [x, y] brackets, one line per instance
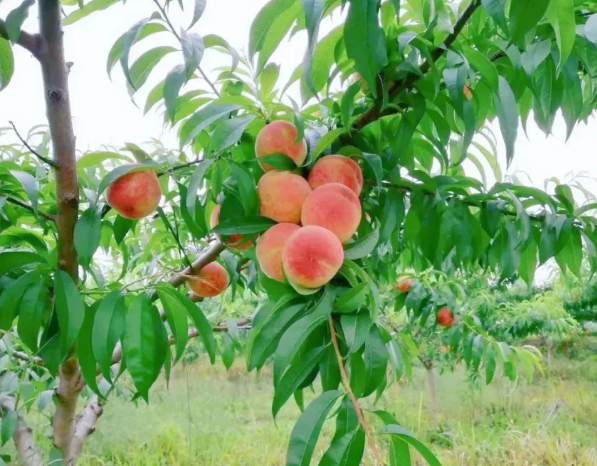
[375, 164]
[561, 16]
[572, 253]
[121, 228]
[29, 184]
[69, 308]
[121, 171]
[305, 433]
[346, 450]
[177, 317]
[246, 188]
[16, 18]
[11, 297]
[108, 328]
[496, 10]
[201, 324]
[313, 10]
[96, 158]
[229, 132]
[353, 299]
[198, 11]
[174, 81]
[228, 351]
[356, 328]
[280, 162]
[392, 214]
[6, 63]
[10, 421]
[212, 40]
[528, 262]
[376, 361]
[525, 15]
[145, 64]
[13, 260]
[294, 377]
[298, 333]
[128, 39]
[403, 434]
[88, 235]
[203, 118]
[362, 247]
[31, 312]
[347, 104]
[508, 113]
[264, 338]
[192, 51]
[325, 142]
[85, 350]
[264, 21]
[323, 59]
[483, 66]
[145, 342]
[243, 226]
[365, 41]
[94, 5]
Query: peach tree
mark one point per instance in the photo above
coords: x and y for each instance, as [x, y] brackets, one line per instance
[313, 205]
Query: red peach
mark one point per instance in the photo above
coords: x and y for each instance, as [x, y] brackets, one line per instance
[403, 285]
[135, 195]
[312, 256]
[337, 169]
[270, 248]
[335, 207]
[234, 241]
[282, 195]
[445, 318]
[279, 137]
[210, 281]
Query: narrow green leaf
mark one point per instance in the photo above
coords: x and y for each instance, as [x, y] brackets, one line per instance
[85, 354]
[174, 81]
[496, 10]
[376, 361]
[507, 115]
[525, 15]
[108, 328]
[192, 51]
[229, 132]
[280, 162]
[528, 263]
[203, 118]
[313, 10]
[356, 328]
[347, 104]
[198, 11]
[69, 308]
[362, 247]
[560, 14]
[96, 158]
[263, 22]
[6, 63]
[243, 226]
[195, 184]
[29, 184]
[404, 434]
[353, 299]
[228, 351]
[90, 7]
[31, 312]
[177, 317]
[16, 18]
[88, 235]
[325, 142]
[11, 297]
[483, 66]
[121, 228]
[201, 324]
[10, 421]
[128, 39]
[246, 188]
[13, 260]
[145, 64]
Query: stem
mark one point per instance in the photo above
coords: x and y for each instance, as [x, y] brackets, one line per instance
[26, 40]
[34, 152]
[355, 403]
[14, 201]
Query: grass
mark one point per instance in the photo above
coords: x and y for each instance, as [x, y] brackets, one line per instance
[210, 417]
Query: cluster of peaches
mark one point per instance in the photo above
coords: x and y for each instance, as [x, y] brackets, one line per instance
[445, 317]
[315, 215]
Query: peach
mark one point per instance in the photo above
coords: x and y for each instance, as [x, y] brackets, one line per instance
[404, 284]
[135, 195]
[467, 92]
[279, 137]
[237, 242]
[270, 248]
[282, 195]
[335, 207]
[312, 256]
[445, 318]
[337, 169]
[210, 281]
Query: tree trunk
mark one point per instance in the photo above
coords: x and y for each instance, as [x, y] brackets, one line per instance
[432, 387]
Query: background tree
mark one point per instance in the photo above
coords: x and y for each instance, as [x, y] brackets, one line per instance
[432, 74]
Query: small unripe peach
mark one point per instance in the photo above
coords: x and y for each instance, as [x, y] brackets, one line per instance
[445, 318]
[135, 195]
[210, 281]
[237, 242]
[335, 207]
[355, 78]
[270, 248]
[282, 195]
[312, 256]
[403, 285]
[467, 92]
[444, 349]
[337, 169]
[279, 137]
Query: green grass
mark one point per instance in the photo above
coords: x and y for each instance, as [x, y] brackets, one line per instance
[216, 418]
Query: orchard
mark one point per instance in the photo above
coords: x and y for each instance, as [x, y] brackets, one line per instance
[361, 205]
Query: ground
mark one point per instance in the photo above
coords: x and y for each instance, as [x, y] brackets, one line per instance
[212, 418]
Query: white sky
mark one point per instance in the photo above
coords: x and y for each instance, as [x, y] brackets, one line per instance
[104, 114]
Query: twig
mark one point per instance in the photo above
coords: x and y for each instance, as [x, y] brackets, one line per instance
[23, 437]
[33, 151]
[14, 201]
[85, 426]
[31, 42]
[208, 81]
[355, 403]
[25, 357]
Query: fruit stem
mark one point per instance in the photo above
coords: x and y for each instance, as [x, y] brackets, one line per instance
[355, 403]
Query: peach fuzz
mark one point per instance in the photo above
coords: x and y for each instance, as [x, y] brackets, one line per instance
[337, 169]
[135, 195]
[335, 207]
[282, 195]
[210, 281]
[312, 257]
[270, 247]
[234, 241]
[279, 137]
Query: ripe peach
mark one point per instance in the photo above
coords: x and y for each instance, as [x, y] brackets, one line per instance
[135, 195]
[403, 285]
[312, 256]
[335, 207]
[337, 169]
[237, 242]
[270, 248]
[445, 318]
[279, 137]
[282, 195]
[210, 281]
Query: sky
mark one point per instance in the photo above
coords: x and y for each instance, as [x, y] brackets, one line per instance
[104, 114]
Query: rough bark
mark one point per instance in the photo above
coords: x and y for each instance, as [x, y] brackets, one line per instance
[23, 438]
[85, 426]
[70, 386]
[432, 386]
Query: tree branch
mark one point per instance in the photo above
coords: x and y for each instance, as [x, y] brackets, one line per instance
[209, 255]
[34, 152]
[85, 426]
[355, 403]
[399, 86]
[70, 386]
[25, 357]
[23, 437]
[14, 201]
[28, 41]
